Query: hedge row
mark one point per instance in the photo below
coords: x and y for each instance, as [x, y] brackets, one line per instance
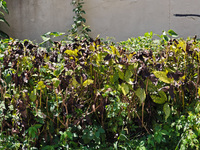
[90, 94]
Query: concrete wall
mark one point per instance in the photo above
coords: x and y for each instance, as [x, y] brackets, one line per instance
[114, 18]
[29, 19]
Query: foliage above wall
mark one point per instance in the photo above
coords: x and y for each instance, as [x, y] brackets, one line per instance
[78, 30]
[79, 27]
[3, 7]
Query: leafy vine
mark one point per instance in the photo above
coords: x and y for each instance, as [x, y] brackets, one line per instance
[79, 27]
[3, 8]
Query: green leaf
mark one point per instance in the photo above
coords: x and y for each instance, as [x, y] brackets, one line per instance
[116, 145]
[40, 114]
[129, 56]
[8, 78]
[37, 126]
[56, 82]
[74, 82]
[87, 136]
[4, 6]
[128, 74]
[58, 71]
[2, 19]
[1, 3]
[141, 94]
[172, 33]
[162, 95]
[1, 55]
[161, 99]
[162, 75]
[158, 138]
[72, 52]
[199, 91]
[47, 36]
[69, 135]
[165, 37]
[33, 95]
[41, 85]
[166, 110]
[54, 34]
[1, 13]
[115, 50]
[92, 48]
[3, 34]
[45, 39]
[99, 58]
[132, 67]
[7, 95]
[115, 76]
[125, 88]
[121, 74]
[157, 99]
[88, 82]
[151, 87]
[101, 130]
[32, 132]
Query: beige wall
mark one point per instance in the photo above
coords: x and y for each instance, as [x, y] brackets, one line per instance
[114, 18]
[29, 19]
